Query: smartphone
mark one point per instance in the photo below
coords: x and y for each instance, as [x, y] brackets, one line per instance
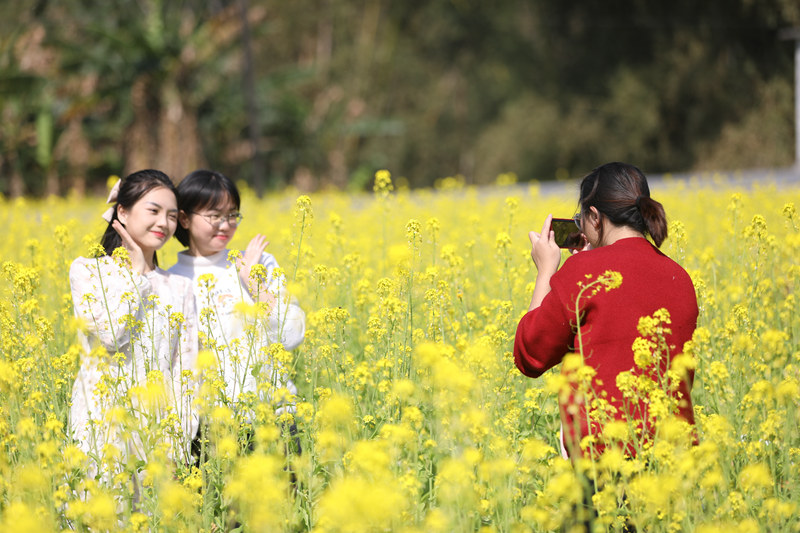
[567, 233]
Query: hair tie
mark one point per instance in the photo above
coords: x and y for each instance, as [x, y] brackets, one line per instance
[112, 198]
[639, 201]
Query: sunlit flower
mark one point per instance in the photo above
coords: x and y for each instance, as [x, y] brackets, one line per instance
[409, 414]
[383, 183]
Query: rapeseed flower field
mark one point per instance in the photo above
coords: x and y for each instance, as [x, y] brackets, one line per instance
[411, 415]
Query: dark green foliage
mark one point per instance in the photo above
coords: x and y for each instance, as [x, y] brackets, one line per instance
[424, 88]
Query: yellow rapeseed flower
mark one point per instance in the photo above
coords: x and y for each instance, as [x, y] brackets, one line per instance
[383, 183]
[755, 478]
[20, 517]
[354, 504]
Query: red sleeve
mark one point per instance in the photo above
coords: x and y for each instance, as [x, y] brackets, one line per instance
[544, 336]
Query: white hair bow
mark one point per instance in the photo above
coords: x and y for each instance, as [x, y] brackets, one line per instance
[112, 198]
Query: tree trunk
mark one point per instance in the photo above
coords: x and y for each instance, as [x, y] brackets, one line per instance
[179, 145]
[140, 142]
[166, 138]
[73, 148]
[51, 185]
[249, 85]
[16, 185]
[347, 148]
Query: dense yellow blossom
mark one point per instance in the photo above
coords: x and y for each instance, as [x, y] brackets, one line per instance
[410, 414]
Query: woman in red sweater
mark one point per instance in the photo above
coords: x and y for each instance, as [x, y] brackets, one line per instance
[616, 213]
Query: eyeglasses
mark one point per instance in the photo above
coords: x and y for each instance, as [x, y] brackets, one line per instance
[577, 219]
[216, 220]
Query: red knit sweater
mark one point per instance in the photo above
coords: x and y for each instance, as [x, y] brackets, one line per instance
[650, 281]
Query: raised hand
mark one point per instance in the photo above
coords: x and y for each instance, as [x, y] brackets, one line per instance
[250, 257]
[244, 265]
[546, 256]
[545, 252]
[138, 261]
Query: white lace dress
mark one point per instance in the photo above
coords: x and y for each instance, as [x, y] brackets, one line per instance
[242, 343]
[140, 336]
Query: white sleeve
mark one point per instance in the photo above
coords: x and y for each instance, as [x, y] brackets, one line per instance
[292, 324]
[287, 321]
[104, 294]
[185, 358]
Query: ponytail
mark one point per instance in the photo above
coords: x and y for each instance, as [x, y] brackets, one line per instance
[654, 218]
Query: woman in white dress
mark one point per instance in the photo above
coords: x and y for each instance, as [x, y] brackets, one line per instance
[209, 217]
[133, 393]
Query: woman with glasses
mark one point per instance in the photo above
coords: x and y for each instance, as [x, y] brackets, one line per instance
[616, 214]
[224, 289]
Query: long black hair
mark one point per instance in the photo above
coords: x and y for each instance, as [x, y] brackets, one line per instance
[204, 189]
[131, 190]
[620, 192]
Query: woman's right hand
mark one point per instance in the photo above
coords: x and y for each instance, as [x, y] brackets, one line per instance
[138, 262]
[545, 252]
[251, 256]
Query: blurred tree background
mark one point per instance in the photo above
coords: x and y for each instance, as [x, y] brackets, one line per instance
[321, 93]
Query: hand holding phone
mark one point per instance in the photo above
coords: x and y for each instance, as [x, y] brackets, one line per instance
[546, 247]
[545, 252]
[567, 233]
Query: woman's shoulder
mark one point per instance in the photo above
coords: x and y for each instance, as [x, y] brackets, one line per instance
[230, 256]
[173, 278]
[82, 262]
[661, 261]
[268, 260]
[608, 257]
[633, 254]
[190, 265]
[578, 263]
[90, 266]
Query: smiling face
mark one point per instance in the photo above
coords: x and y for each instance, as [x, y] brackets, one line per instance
[210, 229]
[152, 220]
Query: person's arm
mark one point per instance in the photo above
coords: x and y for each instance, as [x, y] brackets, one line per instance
[291, 321]
[287, 321]
[544, 336]
[253, 255]
[103, 293]
[546, 256]
[185, 359]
